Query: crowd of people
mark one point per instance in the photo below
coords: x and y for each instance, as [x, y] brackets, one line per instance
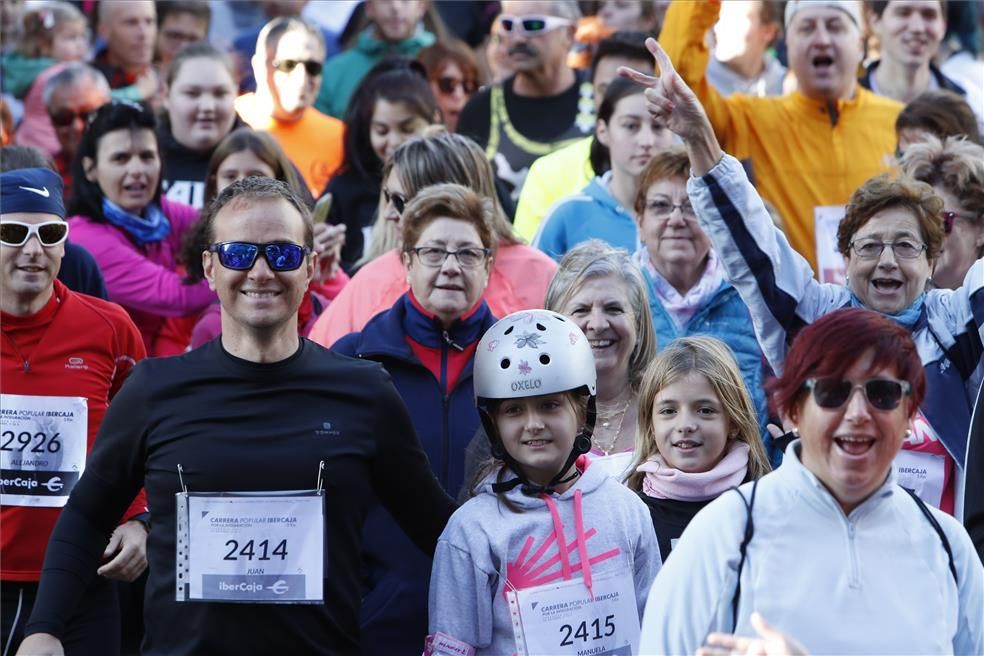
[520, 327]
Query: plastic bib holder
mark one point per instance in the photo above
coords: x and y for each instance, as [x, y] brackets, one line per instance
[250, 547]
[567, 618]
[43, 442]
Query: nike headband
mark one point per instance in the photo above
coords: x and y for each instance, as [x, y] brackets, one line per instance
[32, 190]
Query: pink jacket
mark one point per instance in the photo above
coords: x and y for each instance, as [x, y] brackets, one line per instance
[519, 281]
[36, 129]
[144, 280]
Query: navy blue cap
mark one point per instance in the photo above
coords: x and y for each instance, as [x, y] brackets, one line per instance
[32, 190]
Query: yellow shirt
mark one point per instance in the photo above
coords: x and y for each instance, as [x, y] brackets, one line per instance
[552, 178]
[803, 154]
[313, 144]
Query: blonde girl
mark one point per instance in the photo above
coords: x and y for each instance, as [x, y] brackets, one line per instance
[697, 435]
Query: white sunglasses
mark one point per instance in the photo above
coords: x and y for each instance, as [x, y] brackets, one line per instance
[50, 233]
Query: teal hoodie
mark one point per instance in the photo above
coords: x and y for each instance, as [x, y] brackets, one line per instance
[344, 71]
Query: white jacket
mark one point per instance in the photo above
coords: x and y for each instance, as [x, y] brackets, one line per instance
[876, 581]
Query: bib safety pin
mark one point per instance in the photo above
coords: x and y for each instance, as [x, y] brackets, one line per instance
[321, 476]
[184, 488]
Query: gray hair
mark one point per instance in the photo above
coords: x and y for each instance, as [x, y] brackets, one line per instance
[71, 75]
[244, 193]
[597, 259]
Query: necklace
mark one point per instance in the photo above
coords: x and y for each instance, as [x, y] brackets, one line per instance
[607, 449]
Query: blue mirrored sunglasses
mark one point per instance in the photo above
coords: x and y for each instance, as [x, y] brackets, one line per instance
[241, 255]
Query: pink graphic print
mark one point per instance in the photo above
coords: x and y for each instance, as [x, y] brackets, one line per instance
[527, 571]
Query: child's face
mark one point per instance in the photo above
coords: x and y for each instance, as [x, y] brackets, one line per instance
[70, 42]
[690, 425]
[538, 432]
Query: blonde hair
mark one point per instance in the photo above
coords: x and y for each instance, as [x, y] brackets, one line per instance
[597, 259]
[712, 359]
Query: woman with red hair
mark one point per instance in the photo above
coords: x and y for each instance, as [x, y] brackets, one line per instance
[896, 575]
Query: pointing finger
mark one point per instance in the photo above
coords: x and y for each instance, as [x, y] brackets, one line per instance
[662, 59]
[637, 77]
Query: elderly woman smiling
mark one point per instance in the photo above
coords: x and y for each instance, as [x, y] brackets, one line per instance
[599, 288]
[427, 343]
[689, 293]
[890, 238]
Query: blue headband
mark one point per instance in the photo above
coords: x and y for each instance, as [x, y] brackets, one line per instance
[32, 190]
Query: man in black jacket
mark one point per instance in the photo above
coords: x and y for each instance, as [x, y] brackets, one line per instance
[259, 453]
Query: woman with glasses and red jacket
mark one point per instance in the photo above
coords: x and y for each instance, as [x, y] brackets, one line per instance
[121, 218]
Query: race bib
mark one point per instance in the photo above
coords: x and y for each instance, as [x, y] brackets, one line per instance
[251, 547]
[830, 263]
[43, 443]
[923, 473]
[567, 618]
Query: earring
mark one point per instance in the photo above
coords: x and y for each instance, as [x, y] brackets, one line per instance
[908, 434]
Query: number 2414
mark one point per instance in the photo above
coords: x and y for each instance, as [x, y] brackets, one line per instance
[260, 552]
[585, 633]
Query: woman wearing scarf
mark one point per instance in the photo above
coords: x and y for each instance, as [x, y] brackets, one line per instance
[121, 218]
[689, 293]
[891, 236]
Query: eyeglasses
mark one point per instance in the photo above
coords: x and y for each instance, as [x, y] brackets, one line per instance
[399, 200]
[468, 258]
[312, 67]
[949, 216]
[448, 85]
[66, 117]
[904, 249]
[662, 209]
[881, 393]
[531, 25]
[241, 255]
[50, 233]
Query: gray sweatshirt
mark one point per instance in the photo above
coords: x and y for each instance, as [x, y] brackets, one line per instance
[485, 544]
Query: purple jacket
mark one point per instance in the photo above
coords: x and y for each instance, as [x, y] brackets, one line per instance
[143, 279]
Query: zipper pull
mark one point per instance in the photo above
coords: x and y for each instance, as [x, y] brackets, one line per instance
[450, 342]
[27, 366]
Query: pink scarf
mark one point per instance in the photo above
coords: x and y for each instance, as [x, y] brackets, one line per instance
[665, 482]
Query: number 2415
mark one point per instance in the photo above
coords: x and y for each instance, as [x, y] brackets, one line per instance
[583, 631]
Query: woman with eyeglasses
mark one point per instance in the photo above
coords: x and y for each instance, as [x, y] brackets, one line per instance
[830, 548]
[955, 169]
[121, 218]
[689, 293]
[199, 113]
[453, 74]
[392, 104]
[520, 273]
[890, 237]
[427, 343]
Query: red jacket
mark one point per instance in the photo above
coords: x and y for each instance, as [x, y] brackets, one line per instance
[77, 346]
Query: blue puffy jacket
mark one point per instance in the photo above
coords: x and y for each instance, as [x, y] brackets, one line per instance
[396, 574]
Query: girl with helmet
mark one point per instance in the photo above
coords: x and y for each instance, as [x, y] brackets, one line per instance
[549, 555]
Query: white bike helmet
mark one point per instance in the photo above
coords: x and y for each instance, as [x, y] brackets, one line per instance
[532, 353]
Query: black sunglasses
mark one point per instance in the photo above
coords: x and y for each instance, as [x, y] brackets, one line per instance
[241, 255]
[399, 200]
[312, 67]
[447, 85]
[881, 393]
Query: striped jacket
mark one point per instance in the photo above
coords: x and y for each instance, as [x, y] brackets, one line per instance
[782, 295]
